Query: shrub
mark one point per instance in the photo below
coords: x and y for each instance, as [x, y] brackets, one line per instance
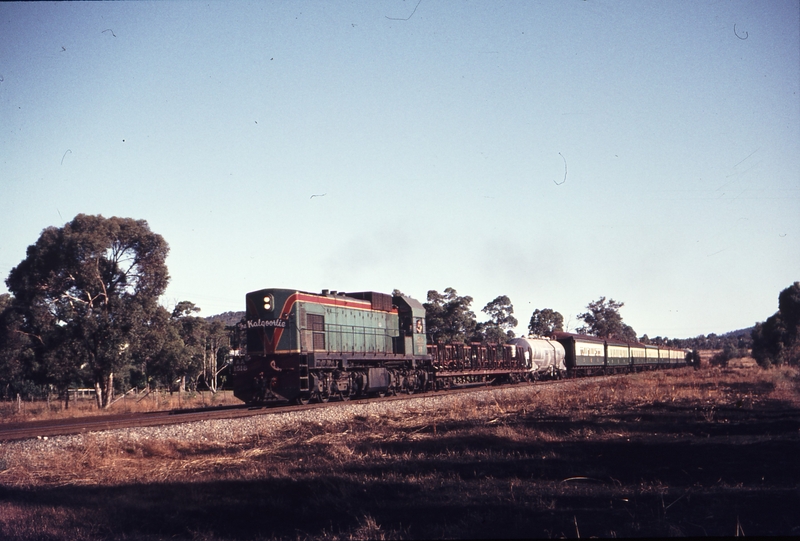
[729, 352]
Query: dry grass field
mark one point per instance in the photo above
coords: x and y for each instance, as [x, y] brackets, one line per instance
[675, 453]
[13, 412]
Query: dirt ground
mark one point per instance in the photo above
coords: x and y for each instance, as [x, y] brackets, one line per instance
[712, 452]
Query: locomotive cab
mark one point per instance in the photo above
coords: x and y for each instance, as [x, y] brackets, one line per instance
[411, 314]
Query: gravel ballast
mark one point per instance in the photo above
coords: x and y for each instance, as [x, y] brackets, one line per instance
[238, 429]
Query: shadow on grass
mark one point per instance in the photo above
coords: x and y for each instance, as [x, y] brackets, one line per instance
[334, 505]
[469, 484]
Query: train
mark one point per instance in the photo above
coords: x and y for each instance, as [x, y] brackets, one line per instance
[303, 347]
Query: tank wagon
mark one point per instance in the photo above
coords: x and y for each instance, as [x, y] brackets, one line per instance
[544, 358]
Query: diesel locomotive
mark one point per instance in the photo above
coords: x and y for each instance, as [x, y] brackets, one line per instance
[305, 347]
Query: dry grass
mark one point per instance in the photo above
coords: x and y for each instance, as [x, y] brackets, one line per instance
[13, 411]
[680, 452]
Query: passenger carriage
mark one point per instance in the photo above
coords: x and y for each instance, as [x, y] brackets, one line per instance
[618, 356]
[584, 355]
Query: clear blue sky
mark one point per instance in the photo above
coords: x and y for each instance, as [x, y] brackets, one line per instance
[437, 146]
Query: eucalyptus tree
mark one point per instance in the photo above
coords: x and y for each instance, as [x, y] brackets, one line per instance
[777, 340]
[84, 293]
[448, 316]
[218, 340]
[193, 330]
[544, 322]
[604, 320]
[501, 320]
[14, 346]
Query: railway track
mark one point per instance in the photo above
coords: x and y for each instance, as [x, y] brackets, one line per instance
[98, 423]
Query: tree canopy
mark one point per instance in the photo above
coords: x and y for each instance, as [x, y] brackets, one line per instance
[777, 340]
[448, 316]
[604, 320]
[83, 293]
[501, 320]
[544, 322]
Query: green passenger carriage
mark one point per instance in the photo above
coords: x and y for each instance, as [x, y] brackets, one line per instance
[618, 358]
[585, 355]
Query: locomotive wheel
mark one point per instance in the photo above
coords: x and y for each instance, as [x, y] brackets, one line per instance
[323, 398]
[301, 400]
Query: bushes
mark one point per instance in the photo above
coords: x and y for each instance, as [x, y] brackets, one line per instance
[775, 342]
[729, 352]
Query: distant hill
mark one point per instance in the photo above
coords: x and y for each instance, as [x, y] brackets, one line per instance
[230, 319]
[741, 332]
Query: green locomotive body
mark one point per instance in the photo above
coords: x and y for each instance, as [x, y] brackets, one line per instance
[303, 346]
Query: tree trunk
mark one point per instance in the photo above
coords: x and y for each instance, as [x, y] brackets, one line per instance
[98, 394]
[66, 400]
[205, 366]
[109, 394]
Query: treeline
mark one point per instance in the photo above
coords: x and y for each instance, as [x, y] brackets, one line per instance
[83, 312]
[734, 344]
[229, 319]
[451, 319]
[776, 341]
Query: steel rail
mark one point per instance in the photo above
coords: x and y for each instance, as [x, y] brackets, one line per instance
[98, 423]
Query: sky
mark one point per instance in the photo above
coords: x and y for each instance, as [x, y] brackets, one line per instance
[553, 152]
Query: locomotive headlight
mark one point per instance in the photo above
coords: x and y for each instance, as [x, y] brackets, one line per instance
[268, 303]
